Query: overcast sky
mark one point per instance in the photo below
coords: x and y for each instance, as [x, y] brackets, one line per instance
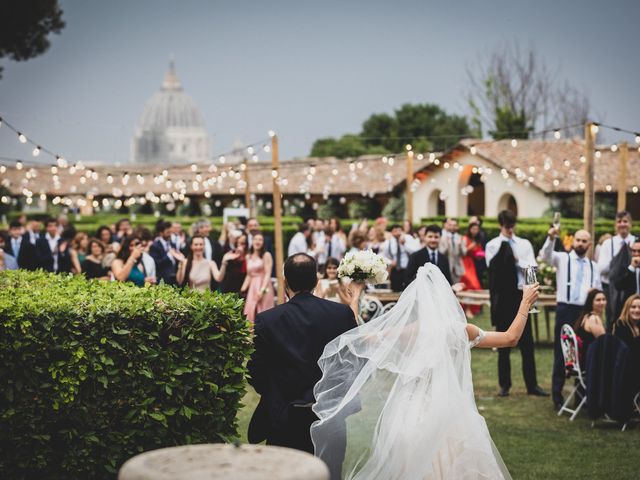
[306, 69]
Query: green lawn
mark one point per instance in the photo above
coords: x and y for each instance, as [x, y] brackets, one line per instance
[533, 441]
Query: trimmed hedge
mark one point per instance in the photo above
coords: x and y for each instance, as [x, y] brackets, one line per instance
[93, 373]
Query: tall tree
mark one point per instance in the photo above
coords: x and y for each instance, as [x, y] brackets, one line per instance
[513, 92]
[25, 27]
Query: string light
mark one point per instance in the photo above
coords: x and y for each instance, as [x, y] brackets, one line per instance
[557, 134]
[36, 151]
[22, 138]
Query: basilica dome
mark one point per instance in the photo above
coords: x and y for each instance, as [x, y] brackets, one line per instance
[171, 129]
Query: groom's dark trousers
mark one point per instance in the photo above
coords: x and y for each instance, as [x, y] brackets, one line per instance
[283, 369]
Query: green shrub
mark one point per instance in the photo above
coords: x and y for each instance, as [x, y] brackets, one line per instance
[93, 373]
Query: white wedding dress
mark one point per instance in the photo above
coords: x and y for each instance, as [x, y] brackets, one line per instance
[398, 391]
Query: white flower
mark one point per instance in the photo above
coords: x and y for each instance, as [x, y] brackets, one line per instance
[363, 266]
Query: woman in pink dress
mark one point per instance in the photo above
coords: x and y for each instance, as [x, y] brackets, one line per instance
[257, 283]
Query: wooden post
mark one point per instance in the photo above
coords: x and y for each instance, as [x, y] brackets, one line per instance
[277, 218]
[247, 189]
[409, 199]
[590, 131]
[622, 177]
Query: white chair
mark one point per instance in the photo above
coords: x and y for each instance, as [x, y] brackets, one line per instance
[569, 343]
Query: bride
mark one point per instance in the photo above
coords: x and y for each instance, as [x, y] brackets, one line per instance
[395, 400]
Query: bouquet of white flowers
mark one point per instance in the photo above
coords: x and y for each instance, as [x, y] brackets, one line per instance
[363, 266]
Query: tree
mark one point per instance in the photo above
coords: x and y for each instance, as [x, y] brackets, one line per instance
[513, 92]
[25, 27]
[425, 126]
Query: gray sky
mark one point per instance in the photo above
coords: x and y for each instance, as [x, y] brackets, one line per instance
[306, 69]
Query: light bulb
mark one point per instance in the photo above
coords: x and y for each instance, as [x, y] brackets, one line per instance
[22, 138]
[473, 150]
[594, 128]
[18, 165]
[272, 133]
[556, 134]
[36, 151]
[514, 143]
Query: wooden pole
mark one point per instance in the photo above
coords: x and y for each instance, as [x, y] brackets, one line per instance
[277, 218]
[590, 131]
[622, 177]
[247, 188]
[409, 200]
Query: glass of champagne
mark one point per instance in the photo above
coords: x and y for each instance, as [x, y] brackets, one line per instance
[556, 221]
[530, 278]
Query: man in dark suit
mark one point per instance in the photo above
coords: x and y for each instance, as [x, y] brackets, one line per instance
[13, 245]
[428, 254]
[165, 255]
[289, 340]
[28, 254]
[47, 247]
[627, 280]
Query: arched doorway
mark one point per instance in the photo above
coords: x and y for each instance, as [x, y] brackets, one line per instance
[508, 202]
[475, 197]
[437, 204]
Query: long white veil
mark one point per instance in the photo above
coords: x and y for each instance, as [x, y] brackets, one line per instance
[396, 397]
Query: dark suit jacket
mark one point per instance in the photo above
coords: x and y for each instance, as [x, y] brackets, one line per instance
[617, 270]
[165, 268]
[26, 257]
[419, 259]
[625, 282]
[44, 255]
[289, 340]
[503, 287]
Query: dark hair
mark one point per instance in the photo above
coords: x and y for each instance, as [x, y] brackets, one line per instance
[506, 218]
[300, 271]
[337, 220]
[162, 225]
[262, 250]
[622, 214]
[97, 242]
[473, 224]
[187, 270]
[124, 253]
[144, 233]
[588, 306]
[331, 262]
[304, 227]
[433, 228]
[51, 220]
[394, 226]
[120, 222]
[102, 228]
[15, 224]
[68, 233]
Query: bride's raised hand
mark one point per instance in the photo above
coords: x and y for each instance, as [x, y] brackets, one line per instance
[530, 293]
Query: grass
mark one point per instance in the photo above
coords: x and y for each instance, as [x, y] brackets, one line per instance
[534, 442]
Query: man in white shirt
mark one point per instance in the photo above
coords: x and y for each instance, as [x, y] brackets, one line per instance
[320, 242]
[454, 248]
[610, 249]
[299, 242]
[47, 247]
[396, 251]
[517, 254]
[576, 274]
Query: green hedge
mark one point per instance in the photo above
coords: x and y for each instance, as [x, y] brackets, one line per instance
[93, 373]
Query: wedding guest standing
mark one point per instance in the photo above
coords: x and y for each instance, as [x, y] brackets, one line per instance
[236, 267]
[339, 241]
[507, 255]
[92, 264]
[396, 251]
[454, 248]
[13, 244]
[165, 255]
[428, 254]
[608, 251]
[47, 247]
[78, 251]
[128, 266]
[300, 242]
[197, 272]
[475, 253]
[576, 275]
[257, 283]
[628, 280]
[7, 261]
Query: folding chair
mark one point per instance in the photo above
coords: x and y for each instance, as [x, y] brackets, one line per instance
[569, 343]
[636, 409]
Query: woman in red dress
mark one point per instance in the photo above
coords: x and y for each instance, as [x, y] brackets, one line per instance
[470, 277]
